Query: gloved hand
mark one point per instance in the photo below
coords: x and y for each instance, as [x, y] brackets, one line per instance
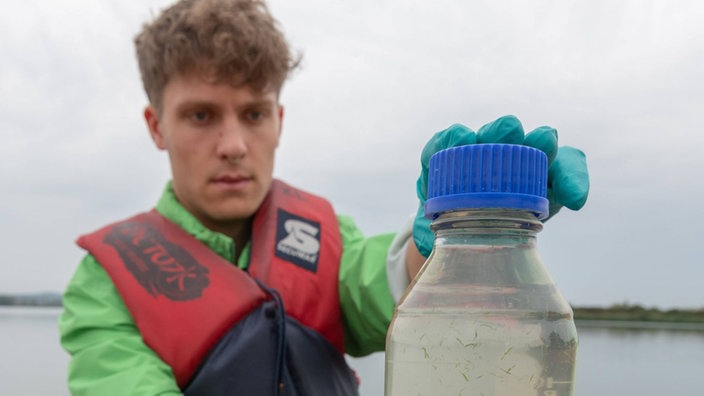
[568, 179]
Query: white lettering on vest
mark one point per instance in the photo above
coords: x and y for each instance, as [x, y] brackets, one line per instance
[301, 241]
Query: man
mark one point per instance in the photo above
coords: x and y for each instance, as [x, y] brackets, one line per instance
[237, 283]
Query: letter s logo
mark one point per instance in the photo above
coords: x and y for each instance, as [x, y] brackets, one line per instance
[301, 236]
[298, 240]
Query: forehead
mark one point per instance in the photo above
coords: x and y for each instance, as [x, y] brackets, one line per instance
[193, 86]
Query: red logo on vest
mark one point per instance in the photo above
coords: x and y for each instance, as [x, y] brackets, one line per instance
[160, 266]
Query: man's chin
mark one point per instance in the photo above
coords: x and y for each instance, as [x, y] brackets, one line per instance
[233, 210]
[233, 216]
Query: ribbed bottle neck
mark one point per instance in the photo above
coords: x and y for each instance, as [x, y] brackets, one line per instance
[481, 226]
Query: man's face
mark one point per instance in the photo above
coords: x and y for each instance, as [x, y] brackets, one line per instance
[221, 142]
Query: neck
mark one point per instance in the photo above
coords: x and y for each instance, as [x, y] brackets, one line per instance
[241, 237]
[240, 231]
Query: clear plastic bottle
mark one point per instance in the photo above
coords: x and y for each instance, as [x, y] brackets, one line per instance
[483, 317]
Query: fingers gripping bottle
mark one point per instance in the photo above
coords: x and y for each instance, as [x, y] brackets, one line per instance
[483, 317]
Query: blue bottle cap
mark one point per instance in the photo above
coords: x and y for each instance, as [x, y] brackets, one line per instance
[507, 176]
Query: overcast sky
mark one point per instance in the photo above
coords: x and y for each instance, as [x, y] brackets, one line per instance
[621, 80]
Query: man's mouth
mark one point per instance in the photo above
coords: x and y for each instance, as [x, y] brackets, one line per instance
[231, 181]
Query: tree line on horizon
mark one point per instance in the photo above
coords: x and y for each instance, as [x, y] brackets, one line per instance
[621, 311]
[31, 300]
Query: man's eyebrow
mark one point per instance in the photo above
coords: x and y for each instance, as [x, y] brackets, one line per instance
[202, 103]
[191, 103]
[261, 102]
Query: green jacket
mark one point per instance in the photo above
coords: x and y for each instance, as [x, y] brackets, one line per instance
[110, 358]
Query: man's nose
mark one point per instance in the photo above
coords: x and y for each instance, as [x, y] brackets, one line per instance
[232, 140]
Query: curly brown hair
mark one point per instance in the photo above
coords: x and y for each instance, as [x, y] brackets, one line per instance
[233, 41]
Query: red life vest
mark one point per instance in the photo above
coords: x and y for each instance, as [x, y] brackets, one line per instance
[184, 297]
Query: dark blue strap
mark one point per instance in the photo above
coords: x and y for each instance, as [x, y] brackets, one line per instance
[249, 359]
[244, 362]
[314, 366]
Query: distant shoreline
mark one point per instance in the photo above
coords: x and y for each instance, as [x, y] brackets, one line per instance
[31, 300]
[638, 325]
[587, 316]
[637, 313]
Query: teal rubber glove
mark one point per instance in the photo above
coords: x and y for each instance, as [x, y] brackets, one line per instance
[568, 178]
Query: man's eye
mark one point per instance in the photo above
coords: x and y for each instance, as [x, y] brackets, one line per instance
[257, 115]
[200, 116]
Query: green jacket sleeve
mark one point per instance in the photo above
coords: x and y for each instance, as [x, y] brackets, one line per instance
[108, 356]
[366, 302]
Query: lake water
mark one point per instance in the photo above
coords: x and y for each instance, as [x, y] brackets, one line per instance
[612, 361]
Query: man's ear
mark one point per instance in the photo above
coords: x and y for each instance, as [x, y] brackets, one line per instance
[281, 123]
[152, 118]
